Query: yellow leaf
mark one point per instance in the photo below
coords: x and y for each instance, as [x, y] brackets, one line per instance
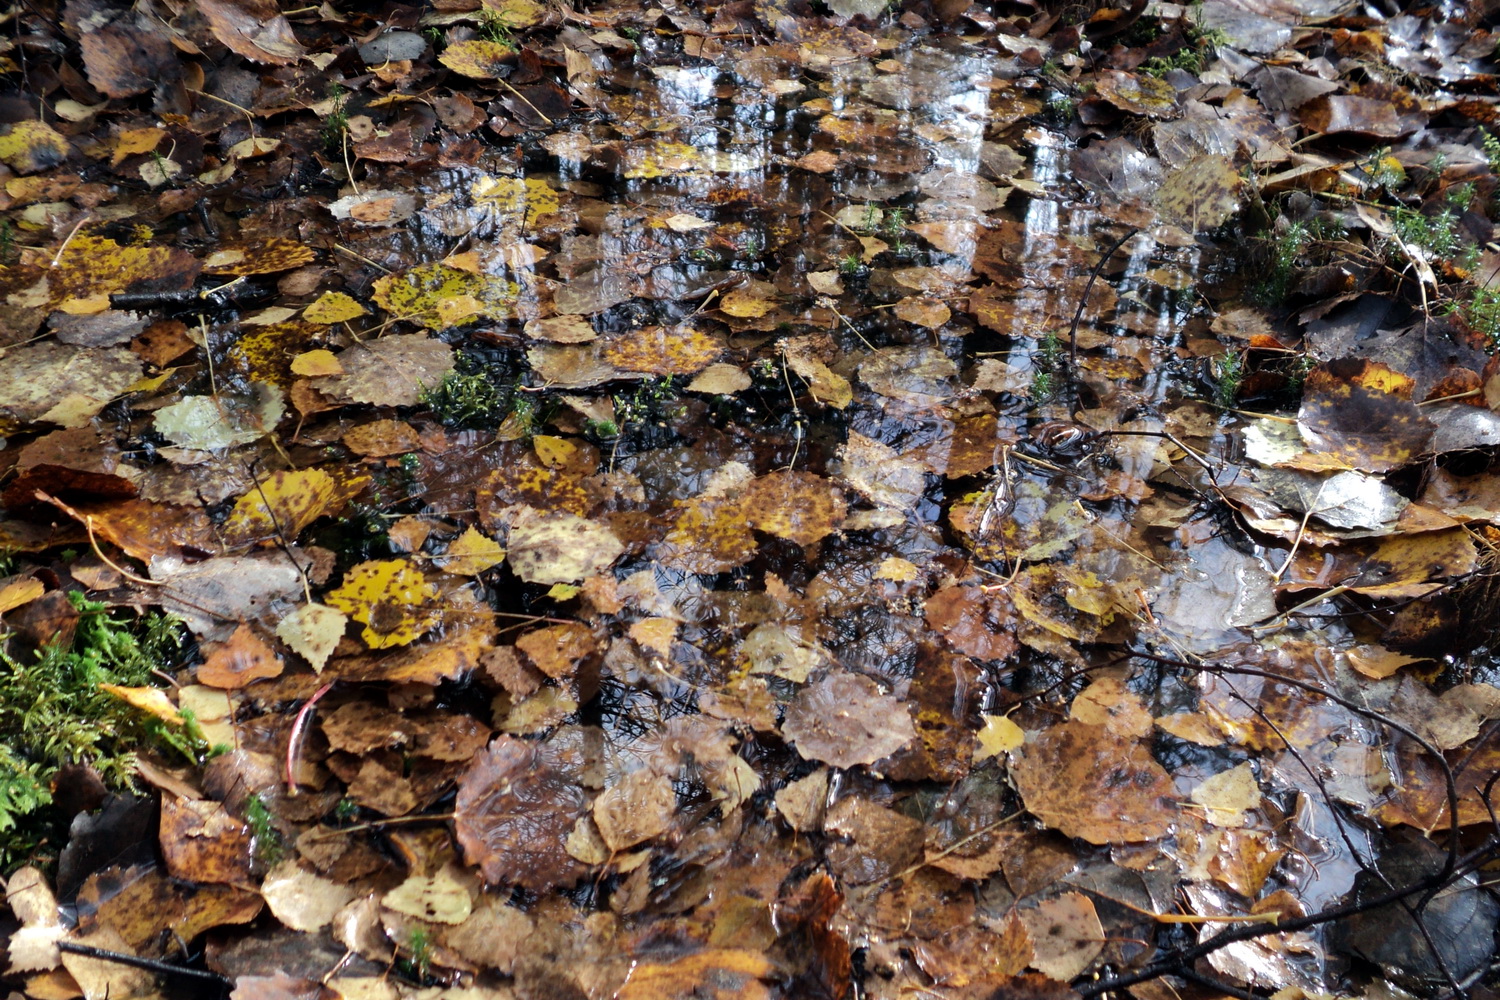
[478, 58]
[283, 504]
[19, 592]
[418, 295]
[311, 364]
[515, 199]
[333, 307]
[655, 634]
[312, 631]
[134, 141]
[471, 554]
[998, 736]
[148, 699]
[390, 597]
[30, 146]
[554, 452]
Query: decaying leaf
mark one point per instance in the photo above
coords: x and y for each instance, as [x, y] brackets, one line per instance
[312, 631]
[1090, 783]
[844, 720]
[514, 815]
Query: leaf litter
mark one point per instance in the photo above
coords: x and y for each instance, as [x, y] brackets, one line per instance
[654, 516]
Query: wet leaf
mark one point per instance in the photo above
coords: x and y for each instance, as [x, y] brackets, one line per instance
[483, 60]
[390, 597]
[312, 632]
[559, 547]
[438, 899]
[662, 350]
[333, 307]
[267, 256]
[438, 296]
[632, 811]
[514, 816]
[283, 504]
[844, 720]
[1201, 194]
[254, 29]
[999, 735]
[241, 661]
[1066, 934]
[471, 553]
[1087, 782]
[201, 842]
[52, 383]
[558, 649]
[714, 974]
[1361, 413]
[798, 506]
[31, 146]
[391, 371]
[212, 423]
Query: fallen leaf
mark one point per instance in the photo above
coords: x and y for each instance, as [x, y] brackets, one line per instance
[514, 815]
[844, 720]
[1090, 783]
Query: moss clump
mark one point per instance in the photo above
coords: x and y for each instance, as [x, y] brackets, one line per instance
[54, 713]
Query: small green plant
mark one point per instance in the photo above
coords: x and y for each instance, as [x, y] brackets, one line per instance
[265, 839]
[895, 222]
[1228, 372]
[337, 122]
[1047, 368]
[850, 264]
[416, 963]
[1062, 107]
[493, 27]
[1482, 313]
[1492, 152]
[345, 810]
[466, 400]
[1286, 248]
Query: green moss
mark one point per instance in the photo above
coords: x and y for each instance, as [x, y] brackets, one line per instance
[54, 713]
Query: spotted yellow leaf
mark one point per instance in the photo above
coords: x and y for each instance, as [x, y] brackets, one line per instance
[391, 598]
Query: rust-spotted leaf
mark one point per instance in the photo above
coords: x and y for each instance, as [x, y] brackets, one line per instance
[285, 503]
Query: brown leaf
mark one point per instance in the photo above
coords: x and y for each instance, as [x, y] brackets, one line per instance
[974, 622]
[244, 659]
[795, 505]
[714, 974]
[1361, 412]
[558, 649]
[1087, 782]
[254, 29]
[635, 809]
[201, 842]
[1066, 934]
[513, 816]
[844, 720]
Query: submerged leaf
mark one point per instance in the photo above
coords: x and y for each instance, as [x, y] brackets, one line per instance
[844, 720]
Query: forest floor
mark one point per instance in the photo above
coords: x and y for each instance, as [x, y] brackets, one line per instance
[753, 499]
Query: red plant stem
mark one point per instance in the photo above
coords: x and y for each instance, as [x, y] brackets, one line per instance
[299, 730]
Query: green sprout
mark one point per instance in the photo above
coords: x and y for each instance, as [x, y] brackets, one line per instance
[265, 839]
[1228, 374]
[337, 122]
